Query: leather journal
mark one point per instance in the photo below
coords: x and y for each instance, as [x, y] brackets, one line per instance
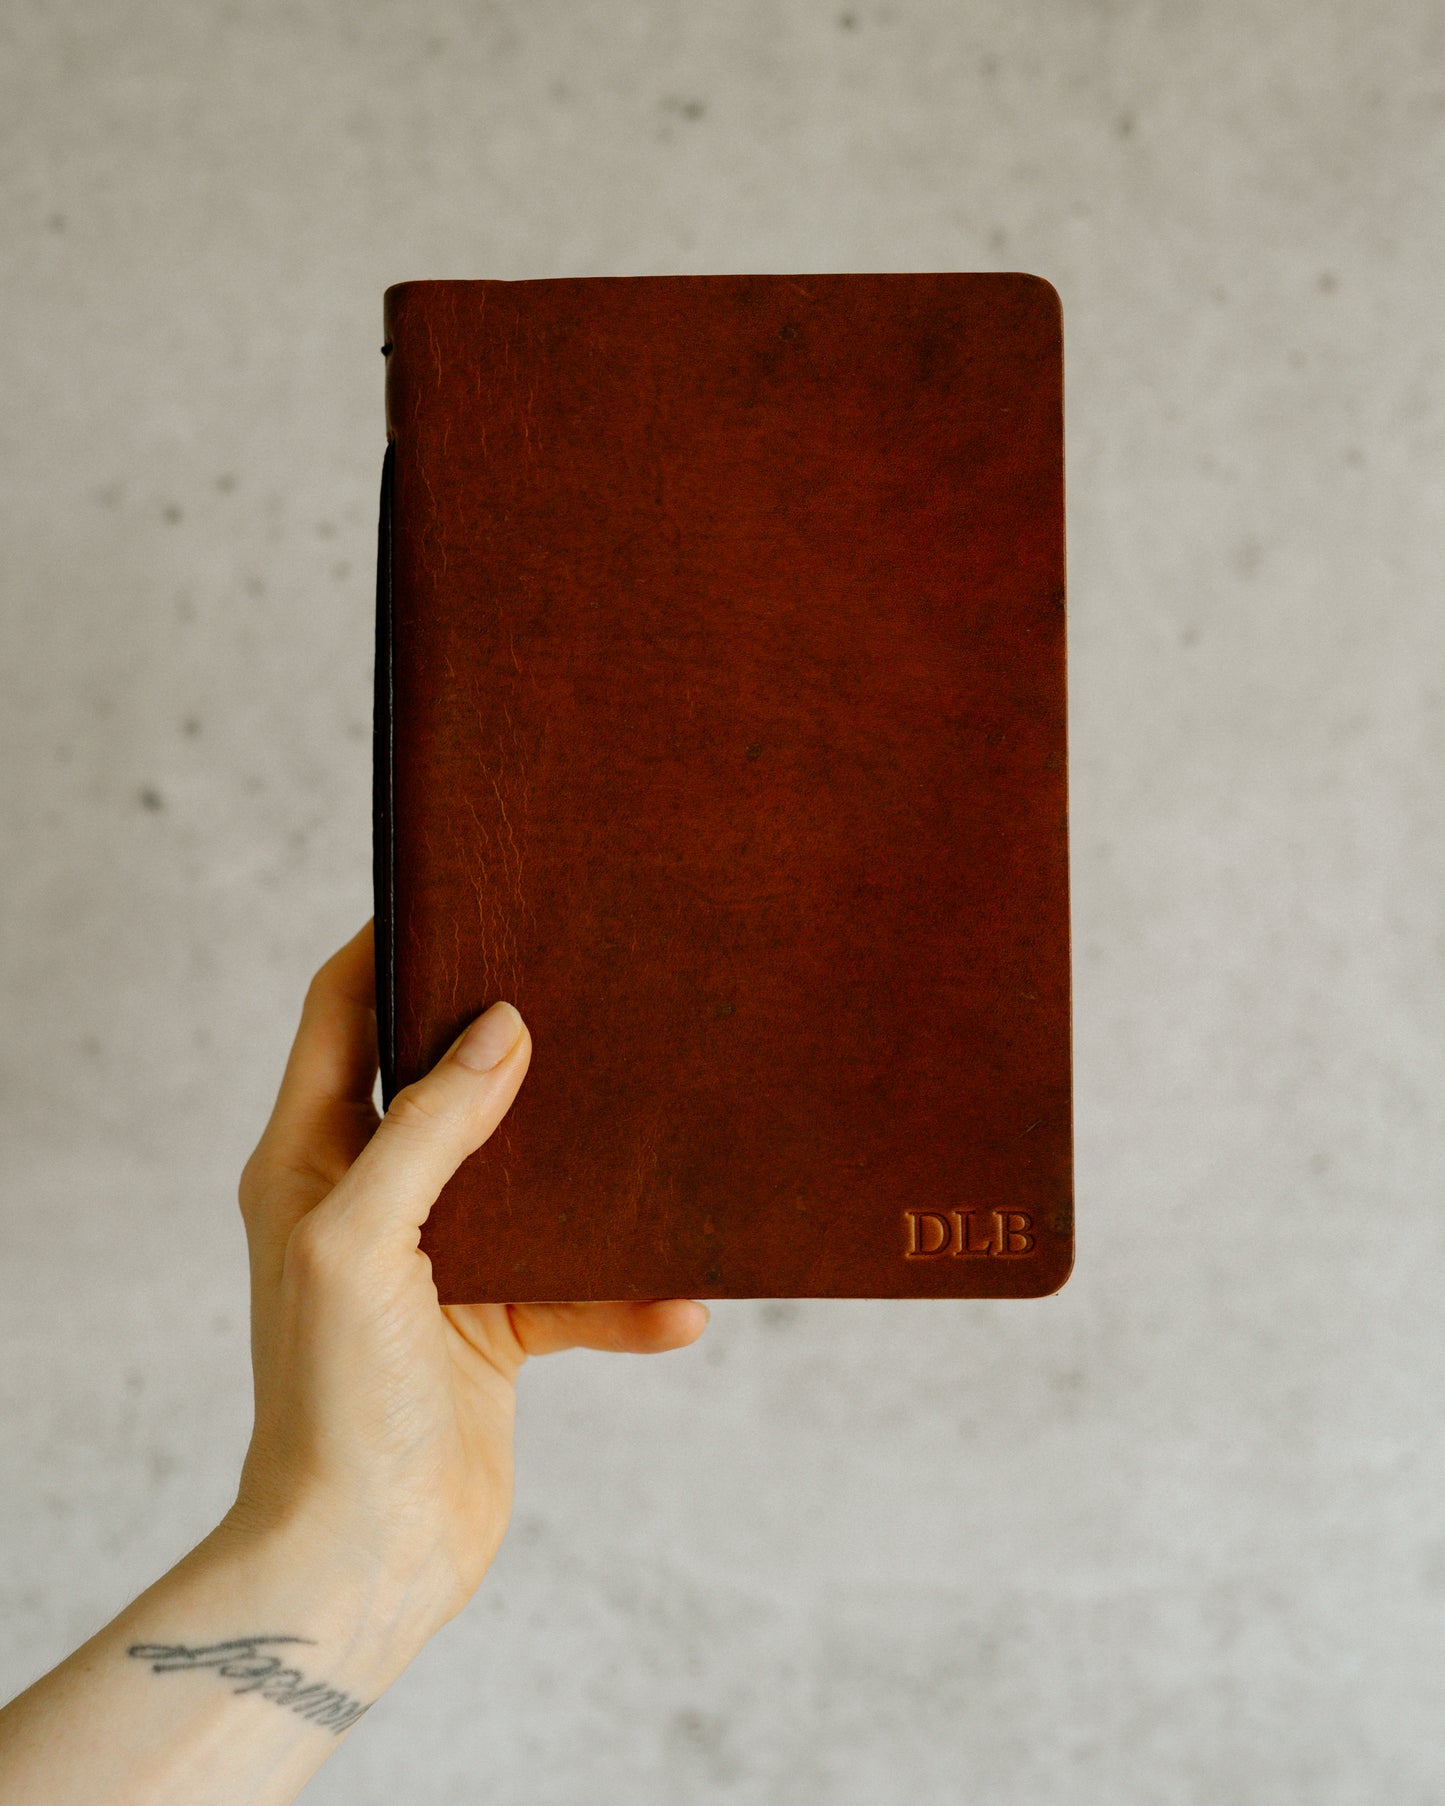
[721, 728]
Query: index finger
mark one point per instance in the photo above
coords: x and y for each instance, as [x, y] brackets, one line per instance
[323, 1112]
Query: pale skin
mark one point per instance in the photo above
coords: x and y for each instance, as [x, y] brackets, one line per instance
[378, 1482]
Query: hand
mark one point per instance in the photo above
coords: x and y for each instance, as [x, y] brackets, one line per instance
[381, 1415]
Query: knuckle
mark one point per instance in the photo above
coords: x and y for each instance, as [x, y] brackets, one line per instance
[279, 1162]
[321, 990]
[250, 1187]
[316, 1244]
[418, 1110]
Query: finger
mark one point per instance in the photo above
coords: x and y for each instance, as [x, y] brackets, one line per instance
[323, 1115]
[433, 1124]
[651, 1327]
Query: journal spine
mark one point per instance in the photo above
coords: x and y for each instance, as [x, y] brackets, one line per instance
[383, 851]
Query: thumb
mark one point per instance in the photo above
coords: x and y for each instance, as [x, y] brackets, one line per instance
[432, 1125]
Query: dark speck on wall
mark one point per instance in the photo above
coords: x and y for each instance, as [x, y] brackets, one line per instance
[170, 514]
[191, 726]
[226, 482]
[778, 1313]
[1246, 557]
[162, 1463]
[702, 1734]
[151, 798]
[755, 750]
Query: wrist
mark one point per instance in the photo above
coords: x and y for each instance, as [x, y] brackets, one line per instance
[231, 1677]
[374, 1612]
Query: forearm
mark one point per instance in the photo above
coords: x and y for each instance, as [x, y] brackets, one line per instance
[151, 1712]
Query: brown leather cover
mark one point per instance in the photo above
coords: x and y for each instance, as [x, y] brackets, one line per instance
[721, 729]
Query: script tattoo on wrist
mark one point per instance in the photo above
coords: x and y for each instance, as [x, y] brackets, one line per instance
[241, 1659]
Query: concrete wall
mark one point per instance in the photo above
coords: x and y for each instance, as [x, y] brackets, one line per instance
[1173, 1536]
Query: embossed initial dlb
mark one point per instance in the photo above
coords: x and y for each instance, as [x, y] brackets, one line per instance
[995, 1234]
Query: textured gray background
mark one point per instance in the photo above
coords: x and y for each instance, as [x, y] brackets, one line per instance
[1174, 1535]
